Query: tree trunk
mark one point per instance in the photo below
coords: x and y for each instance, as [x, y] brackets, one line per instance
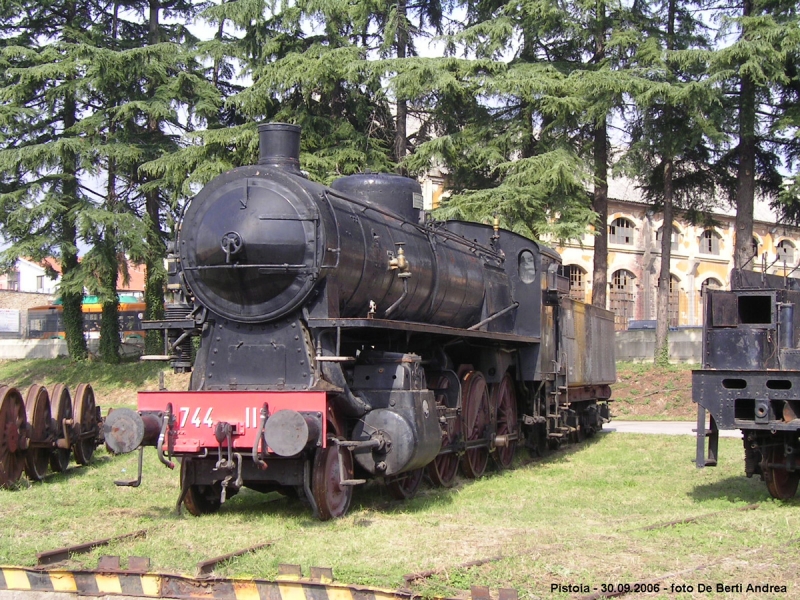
[745, 177]
[600, 197]
[600, 206]
[661, 356]
[155, 277]
[153, 34]
[109, 323]
[400, 132]
[662, 311]
[71, 293]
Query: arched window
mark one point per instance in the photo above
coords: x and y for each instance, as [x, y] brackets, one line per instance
[710, 284]
[621, 231]
[709, 242]
[673, 243]
[577, 282]
[622, 297]
[785, 252]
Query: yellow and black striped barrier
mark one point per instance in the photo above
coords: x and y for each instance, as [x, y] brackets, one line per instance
[289, 586]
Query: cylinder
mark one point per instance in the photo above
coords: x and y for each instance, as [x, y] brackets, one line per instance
[786, 322]
[279, 146]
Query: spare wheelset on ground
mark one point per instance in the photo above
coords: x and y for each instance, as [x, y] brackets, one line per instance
[41, 430]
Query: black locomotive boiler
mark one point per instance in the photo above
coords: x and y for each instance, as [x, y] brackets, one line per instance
[343, 337]
[750, 378]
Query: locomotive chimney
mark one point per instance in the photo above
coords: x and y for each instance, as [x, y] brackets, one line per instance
[279, 146]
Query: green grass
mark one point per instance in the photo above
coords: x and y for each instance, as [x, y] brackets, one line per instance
[113, 385]
[25, 372]
[575, 517]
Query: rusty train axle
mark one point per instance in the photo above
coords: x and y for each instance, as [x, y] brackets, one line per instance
[41, 430]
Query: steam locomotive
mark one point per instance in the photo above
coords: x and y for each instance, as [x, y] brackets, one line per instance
[344, 337]
[750, 378]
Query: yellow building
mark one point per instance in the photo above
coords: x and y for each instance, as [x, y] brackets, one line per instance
[701, 257]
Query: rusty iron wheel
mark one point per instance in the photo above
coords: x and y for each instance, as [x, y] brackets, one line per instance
[203, 499]
[332, 498]
[404, 486]
[200, 499]
[782, 484]
[474, 422]
[442, 470]
[504, 402]
[37, 409]
[85, 416]
[61, 404]
[13, 435]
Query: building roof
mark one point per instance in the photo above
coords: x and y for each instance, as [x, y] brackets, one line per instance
[135, 281]
[135, 273]
[624, 189]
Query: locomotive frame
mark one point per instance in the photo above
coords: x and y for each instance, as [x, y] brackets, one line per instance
[750, 378]
[343, 337]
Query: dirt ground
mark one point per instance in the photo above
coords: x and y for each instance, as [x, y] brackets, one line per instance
[644, 391]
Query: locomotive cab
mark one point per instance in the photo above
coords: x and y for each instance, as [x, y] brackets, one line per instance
[750, 376]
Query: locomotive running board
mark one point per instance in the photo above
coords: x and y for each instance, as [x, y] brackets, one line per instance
[425, 328]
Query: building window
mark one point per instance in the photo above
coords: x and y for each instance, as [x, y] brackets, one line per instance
[40, 283]
[709, 242]
[673, 242]
[710, 284]
[785, 252]
[754, 246]
[13, 280]
[621, 232]
[674, 301]
[577, 282]
[622, 297]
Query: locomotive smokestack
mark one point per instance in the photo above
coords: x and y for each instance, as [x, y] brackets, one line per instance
[279, 146]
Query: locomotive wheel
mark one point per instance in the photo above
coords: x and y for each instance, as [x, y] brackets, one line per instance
[475, 421]
[62, 403]
[332, 498]
[37, 409]
[504, 401]
[85, 415]
[405, 485]
[13, 435]
[442, 470]
[782, 484]
[203, 499]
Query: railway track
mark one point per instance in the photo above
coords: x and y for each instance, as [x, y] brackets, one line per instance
[136, 580]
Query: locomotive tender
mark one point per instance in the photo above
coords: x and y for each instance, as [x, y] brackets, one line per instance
[750, 378]
[342, 337]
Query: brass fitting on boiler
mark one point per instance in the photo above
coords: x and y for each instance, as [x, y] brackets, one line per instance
[400, 262]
